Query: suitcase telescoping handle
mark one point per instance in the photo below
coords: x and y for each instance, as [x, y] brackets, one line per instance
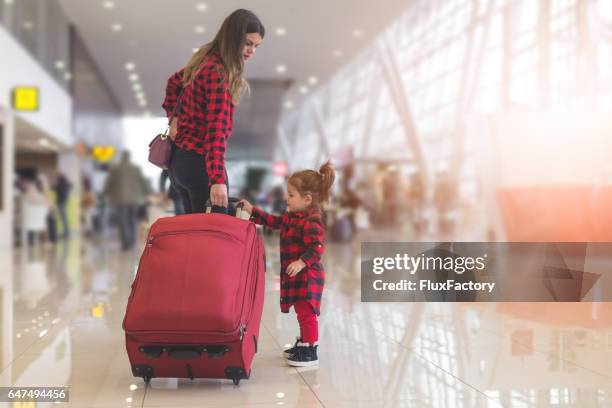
[234, 204]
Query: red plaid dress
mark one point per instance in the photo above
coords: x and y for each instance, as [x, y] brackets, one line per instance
[205, 119]
[301, 237]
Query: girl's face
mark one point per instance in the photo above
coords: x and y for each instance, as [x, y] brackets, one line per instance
[252, 42]
[295, 201]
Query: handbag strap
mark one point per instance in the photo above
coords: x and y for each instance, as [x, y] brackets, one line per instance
[177, 107]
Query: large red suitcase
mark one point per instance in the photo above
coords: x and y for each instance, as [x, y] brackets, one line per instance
[197, 299]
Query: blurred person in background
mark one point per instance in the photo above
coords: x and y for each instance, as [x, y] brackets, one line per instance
[127, 190]
[170, 192]
[35, 206]
[207, 90]
[88, 204]
[62, 187]
[416, 202]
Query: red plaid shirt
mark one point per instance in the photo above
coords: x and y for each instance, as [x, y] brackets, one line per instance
[301, 237]
[205, 119]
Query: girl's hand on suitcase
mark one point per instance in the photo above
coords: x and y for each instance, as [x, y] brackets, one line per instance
[295, 267]
[248, 207]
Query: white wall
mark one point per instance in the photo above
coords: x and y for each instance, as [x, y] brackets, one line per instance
[54, 118]
[19, 68]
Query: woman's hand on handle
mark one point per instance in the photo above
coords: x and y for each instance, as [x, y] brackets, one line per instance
[218, 195]
[248, 207]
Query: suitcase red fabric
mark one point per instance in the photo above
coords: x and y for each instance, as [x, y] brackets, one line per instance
[197, 299]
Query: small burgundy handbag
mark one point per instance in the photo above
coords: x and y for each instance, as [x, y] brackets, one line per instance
[160, 148]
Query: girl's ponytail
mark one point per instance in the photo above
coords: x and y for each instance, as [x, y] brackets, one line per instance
[328, 175]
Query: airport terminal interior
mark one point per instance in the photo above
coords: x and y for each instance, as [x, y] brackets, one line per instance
[445, 120]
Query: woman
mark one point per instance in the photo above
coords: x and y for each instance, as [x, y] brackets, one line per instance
[206, 91]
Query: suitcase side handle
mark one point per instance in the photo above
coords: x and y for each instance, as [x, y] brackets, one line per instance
[186, 352]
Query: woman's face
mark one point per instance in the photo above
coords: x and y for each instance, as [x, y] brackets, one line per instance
[252, 42]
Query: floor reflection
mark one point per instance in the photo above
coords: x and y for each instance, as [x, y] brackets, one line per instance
[62, 308]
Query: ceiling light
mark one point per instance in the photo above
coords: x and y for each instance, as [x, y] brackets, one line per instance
[142, 104]
[337, 53]
[133, 387]
[312, 80]
[357, 33]
[67, 76]
[200, 29]
[280, 395]
[288, 104]
[136, 86]
[117, 27]
[281, 69]
[147, 114]
[281, 31]
[134, 77]
[59, 64]
[43, 333]
[202, 7]
[8, 2]
[303, 90]
[109, 4]
[28, 25]
[130, 66]
[141, 96]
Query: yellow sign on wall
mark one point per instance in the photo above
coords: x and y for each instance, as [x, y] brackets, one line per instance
[26, 98]
[103, 153]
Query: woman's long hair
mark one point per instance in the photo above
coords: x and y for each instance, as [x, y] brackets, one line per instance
[228, 44]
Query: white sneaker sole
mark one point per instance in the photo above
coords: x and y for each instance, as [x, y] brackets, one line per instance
[302, 363]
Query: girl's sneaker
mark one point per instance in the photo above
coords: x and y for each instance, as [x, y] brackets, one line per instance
[289, 352]
[305, 355]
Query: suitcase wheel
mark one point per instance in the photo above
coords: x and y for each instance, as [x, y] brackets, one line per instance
[236, 374]
[144, 371]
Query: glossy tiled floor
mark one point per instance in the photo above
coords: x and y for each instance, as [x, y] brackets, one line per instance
[61, 310]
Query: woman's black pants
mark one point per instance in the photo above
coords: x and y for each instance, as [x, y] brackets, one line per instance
[189, 178]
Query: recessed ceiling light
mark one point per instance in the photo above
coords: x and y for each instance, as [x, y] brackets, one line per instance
[313, 80]
[136, 86]
[200, 29]
[108, 4]
[202, 7]
[281, 69]
[337, 53]
[140, 95]
[28, 25]
[281, 31]
[288, 104]
[303, 90]
[67, 76]
[134, 77]
[142, 103]
[130, 66]
[59, 64]
[8, 2]
[357, 33]
[117, 27]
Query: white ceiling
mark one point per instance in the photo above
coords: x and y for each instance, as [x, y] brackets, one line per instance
[159, 35]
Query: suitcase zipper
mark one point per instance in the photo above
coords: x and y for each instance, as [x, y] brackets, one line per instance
[152, 238]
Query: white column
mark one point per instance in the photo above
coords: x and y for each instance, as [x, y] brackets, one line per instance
[7, 172]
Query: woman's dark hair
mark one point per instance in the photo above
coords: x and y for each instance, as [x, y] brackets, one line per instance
[228, 44]
[317, 184]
